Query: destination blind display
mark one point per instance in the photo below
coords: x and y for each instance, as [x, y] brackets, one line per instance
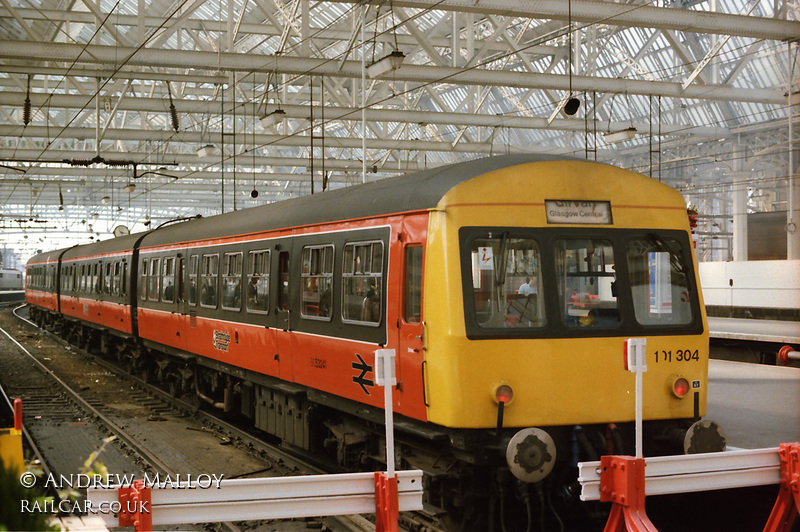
[578, 212]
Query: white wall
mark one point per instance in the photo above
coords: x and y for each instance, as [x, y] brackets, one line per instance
[763, 283]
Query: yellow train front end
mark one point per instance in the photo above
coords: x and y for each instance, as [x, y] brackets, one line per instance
[535, 276]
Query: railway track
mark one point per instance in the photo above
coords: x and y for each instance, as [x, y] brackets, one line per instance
[61, 402]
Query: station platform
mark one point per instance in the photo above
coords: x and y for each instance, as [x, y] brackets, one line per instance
[772, 331]
[12, 296]
[756, 405]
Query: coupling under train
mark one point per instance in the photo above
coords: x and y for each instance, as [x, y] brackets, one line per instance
[506, 286]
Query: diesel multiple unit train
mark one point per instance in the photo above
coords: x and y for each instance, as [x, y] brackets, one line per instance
[506, 286]
[10, 280]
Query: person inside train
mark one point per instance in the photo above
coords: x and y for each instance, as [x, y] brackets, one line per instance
[169, 292]
[208, 295]
[526, 288]
[252, 292]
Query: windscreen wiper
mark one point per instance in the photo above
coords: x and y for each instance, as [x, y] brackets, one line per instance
[675, 260]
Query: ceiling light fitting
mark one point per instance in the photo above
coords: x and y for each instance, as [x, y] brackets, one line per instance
[621, 135]
[275, 117]
[207, 150]
[387, 64]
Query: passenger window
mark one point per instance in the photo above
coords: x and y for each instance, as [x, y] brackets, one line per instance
[168, 280]
[658, 280]
[209, 274]
[258, 281]
[587, 283]
[123, 279]
[412, 301]
[114, 277]
[143, 269]
[193, 280]
[153, 286]
[362, 282]
[283, 289]
[232, 281]
[317, 278]
[97, 277]
[108, 277]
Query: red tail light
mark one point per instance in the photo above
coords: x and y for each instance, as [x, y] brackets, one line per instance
[680, 387]
[503, 393]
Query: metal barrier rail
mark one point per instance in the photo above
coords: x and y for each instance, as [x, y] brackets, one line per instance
[666, 475]
[254, 499]
[624, 481]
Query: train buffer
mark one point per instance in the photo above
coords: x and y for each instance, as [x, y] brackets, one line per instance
[625, 481]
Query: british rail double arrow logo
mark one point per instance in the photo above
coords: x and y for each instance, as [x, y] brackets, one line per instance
[365, 368]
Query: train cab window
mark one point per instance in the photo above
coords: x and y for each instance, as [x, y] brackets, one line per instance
[168, 280]
[192, 299]
[587, 283]
[362, 283]
[153, 280]
[232, 281]
[317, 279]
[506, 282]
[258, 281]
[658, 280]
[412, 299]
[209, 274]
[143, 269]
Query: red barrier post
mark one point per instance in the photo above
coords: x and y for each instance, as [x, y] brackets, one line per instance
[387, 510]
[135, 506]
[622, 484]
[787, 507]
[18, 413]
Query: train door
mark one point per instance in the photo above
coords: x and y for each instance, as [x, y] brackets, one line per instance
[284, 317]
[180, 301]
[411, 341]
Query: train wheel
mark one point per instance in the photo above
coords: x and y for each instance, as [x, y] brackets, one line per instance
[173, 386]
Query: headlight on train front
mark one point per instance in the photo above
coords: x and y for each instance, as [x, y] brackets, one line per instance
[502, 393]
[679, 386]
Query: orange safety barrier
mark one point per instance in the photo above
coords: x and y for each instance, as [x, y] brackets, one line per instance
[11, 442]
[787, 507]
[622, 484]
[135, 506]
[387, 511]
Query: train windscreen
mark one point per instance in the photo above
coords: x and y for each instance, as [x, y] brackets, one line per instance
[550, 282]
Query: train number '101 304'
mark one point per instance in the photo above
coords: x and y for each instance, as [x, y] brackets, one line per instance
[681, 355]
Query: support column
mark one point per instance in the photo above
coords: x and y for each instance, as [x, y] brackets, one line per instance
[793, 206]
[740, 222]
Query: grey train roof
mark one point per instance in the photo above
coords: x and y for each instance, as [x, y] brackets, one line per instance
[409, 192]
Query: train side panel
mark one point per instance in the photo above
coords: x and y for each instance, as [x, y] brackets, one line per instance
[309, 352]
